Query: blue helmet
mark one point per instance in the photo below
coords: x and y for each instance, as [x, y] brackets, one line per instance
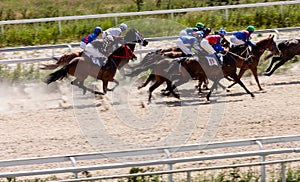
[222, 31]
[98, 30]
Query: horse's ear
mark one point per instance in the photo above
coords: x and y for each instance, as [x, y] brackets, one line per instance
[272, 36]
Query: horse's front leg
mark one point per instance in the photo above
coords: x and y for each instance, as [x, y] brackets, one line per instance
[116, 84]
[104, 87]
[274, 59]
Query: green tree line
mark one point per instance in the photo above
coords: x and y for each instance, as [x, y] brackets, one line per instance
[74, 30]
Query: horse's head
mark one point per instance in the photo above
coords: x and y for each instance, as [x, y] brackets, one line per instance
[268, 44]
[134, 36]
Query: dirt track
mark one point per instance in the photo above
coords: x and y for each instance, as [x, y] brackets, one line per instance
[39, 120]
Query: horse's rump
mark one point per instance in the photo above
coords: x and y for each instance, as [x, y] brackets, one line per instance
[288, 44]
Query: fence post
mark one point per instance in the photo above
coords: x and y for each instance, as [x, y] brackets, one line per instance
[262, 159]
[188, 178]
[283, 168]
[73, 161]
[116, 21]
[226, 15]
[59, 27]
[170, 165]
[2, 28]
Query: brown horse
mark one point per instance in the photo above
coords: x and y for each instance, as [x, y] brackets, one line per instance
[131, 36]
[249, 59]
[166, 70]
[82, 67]
[288, 49]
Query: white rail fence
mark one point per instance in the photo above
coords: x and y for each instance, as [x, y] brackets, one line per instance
[140, 51]
[144, 13]
[169, 161]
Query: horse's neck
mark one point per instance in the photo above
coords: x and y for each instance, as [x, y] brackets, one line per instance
[259, 48]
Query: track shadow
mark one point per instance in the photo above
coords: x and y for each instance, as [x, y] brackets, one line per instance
[286, 83]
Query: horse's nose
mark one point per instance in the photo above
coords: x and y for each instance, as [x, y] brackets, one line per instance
[145, 43]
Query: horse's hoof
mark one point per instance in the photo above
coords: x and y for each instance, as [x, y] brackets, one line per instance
[267, 74]
[227, 90]
[98, 93]
[252, 95]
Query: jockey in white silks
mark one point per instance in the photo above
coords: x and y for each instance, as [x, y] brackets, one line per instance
[186, 42]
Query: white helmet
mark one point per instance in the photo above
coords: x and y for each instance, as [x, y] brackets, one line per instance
[123, 26]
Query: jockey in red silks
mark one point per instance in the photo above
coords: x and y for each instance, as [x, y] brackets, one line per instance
[212, 44]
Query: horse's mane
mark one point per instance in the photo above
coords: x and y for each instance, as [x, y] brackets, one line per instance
[263, 41]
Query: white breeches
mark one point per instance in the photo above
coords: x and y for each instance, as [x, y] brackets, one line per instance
[91, 51]
[207, 47]
[183, 33]
[183, 47]
[82, 45]
[235, 41]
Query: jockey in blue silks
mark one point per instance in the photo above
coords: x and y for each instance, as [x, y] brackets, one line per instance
[242, 37]
[90, 37]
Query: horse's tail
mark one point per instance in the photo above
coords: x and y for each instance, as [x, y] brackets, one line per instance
[148, 62]
[57, 75]
[62, 61]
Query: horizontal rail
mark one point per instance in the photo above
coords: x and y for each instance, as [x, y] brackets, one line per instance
[183, 170]
[148, 151]
[71, 45]
[156, 12]
[150, 163]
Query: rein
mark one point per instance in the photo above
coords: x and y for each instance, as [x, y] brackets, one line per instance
[128, 53]
[245, 59]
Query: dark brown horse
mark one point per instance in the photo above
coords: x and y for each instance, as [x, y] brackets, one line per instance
[249, 59]
[81, 67]
[288, 49]
[167, 69]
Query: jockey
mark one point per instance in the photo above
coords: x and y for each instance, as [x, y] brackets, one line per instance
[212, 44]
[112, 33]
[89, 38]
[242, 37]
[192, 41]
[199, 27]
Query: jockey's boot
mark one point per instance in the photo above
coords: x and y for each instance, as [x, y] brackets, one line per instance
[219, 58]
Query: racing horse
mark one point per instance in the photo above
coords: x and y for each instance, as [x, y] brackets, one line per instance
[249, 60]
[288, 49]
[81, 67]
[131, 36]
[166, 70]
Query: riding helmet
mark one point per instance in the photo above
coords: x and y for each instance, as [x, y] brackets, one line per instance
[123, 26]
[199, 25]
[250, 29]
[98, 30]
[222, 31]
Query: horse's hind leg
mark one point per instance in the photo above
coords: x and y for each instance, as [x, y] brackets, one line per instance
[214, 86]
[80, 84]
[153, 87]
[150, 78]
